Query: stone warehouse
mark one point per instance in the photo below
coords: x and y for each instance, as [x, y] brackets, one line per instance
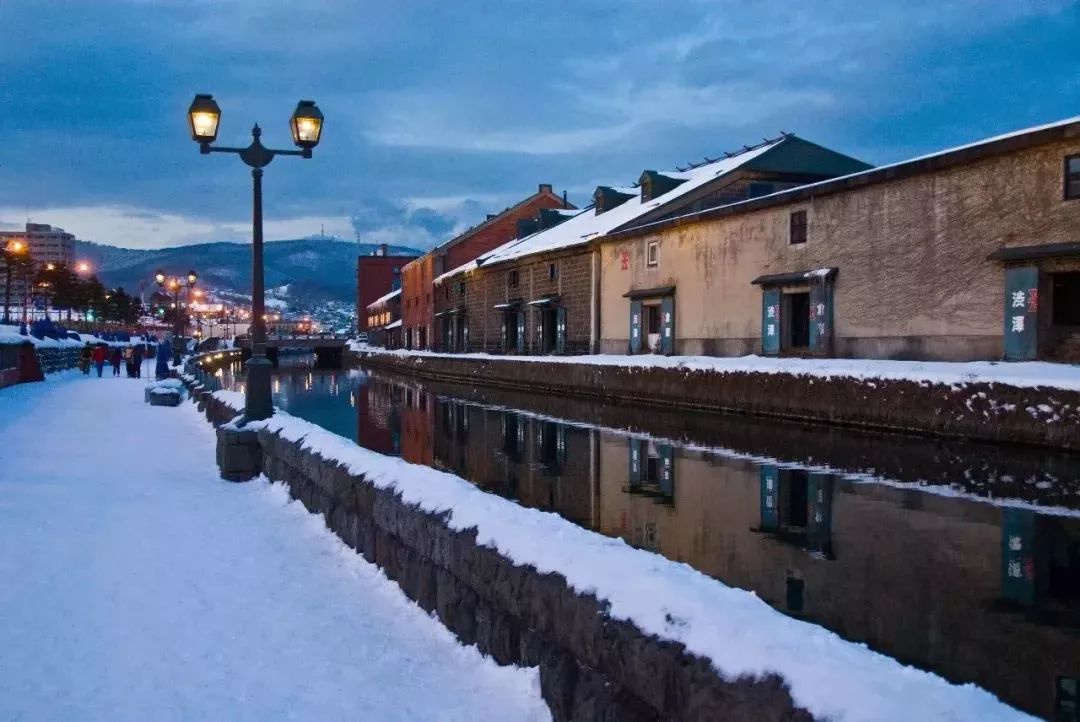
[418, 302]
[539, 293]
[969, 253]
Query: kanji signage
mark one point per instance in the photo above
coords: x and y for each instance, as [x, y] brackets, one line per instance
[1021, 313]
[770, 321]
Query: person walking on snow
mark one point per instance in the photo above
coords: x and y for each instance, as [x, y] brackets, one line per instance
[137, 359]
[98, 356]
[116, 358]
[85, 359]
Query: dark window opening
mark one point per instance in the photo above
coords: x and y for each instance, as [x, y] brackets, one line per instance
[798, 227]
[1065, 298]
[795, 317]
[652, 329]
[797, 484]
[796, 589]
[512, 279]
[1072, 177]
[553, 271]
[461, 288]
[548, 330]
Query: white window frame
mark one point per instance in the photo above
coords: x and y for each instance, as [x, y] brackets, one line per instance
[652, 254]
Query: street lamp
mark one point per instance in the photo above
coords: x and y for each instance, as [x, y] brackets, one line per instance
[306, 124]
[173, 286]
[13, 253]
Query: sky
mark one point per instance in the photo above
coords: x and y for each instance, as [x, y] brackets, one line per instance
[439, 112]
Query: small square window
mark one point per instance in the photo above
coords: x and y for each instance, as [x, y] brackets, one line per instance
[553, 271]
[652, 254]
[1072, 177]
[798, 228]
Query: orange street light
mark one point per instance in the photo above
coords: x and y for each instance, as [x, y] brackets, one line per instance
[82, 267]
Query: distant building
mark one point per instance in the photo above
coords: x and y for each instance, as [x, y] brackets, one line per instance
[376, 275]
[47, 244]
[422, 329]
[384, 320]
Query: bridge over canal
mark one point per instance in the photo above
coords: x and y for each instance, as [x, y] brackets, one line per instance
[329, 349]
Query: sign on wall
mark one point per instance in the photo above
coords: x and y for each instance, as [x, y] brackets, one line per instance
[1018, 555]
[635, 326]
[1021, 313]
[667, 325]
[770, 322]
[821, 317]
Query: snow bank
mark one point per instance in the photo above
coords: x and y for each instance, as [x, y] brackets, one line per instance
[736, 631]
[1025, 374]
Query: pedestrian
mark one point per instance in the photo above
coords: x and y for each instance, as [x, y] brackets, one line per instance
[137, 358]
[129, 362]
[85, 359]
[98, 357]
[116, 358]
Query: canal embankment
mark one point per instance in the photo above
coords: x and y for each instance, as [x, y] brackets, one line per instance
[617, 632]
[1029, 403]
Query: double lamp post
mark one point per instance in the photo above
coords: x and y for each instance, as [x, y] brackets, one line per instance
[172, 287]
[306, 124]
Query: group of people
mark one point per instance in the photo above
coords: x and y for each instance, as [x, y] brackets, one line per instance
[98, 355]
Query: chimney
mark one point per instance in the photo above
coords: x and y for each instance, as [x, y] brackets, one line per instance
[545, 187]
[565, 203]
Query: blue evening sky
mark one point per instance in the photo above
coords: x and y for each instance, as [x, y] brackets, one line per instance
[438, 112]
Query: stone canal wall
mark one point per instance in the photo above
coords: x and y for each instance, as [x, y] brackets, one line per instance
[983, 411]
[592, 666]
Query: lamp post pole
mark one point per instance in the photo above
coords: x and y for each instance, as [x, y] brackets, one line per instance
[306, 125]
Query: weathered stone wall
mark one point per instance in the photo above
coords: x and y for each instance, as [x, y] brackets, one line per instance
[988, 412]
[592, 667]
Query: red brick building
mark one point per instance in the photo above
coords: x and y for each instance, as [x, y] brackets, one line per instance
[417, 305]
[376, 275]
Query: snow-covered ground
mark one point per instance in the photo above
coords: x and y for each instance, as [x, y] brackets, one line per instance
[136, 585]
[1027, 374]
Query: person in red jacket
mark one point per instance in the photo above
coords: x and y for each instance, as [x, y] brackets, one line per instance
[99, 359]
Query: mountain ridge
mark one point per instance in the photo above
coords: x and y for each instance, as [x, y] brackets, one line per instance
[319, 269]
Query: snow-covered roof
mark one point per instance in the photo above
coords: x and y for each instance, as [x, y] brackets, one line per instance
[385, 298]
[839, 182]
[395, 324]
[588, 224]
[470, 266]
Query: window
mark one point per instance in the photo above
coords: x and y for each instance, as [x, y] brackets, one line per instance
[512, 279]
[798, 227]
[1072, 177]
[553, 271]
[652, 254]
[461, 288]
[1065, 298]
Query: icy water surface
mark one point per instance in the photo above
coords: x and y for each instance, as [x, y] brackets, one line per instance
[962, 559]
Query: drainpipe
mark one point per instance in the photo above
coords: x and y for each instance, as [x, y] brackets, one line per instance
[594, 308]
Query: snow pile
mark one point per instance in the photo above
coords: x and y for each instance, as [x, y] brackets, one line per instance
[1022, 374]
[734, 629]
[10, 335]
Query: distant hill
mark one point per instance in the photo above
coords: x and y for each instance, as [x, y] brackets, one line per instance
[315, 269]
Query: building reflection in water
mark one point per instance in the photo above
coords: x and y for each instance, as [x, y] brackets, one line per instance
[974, 591]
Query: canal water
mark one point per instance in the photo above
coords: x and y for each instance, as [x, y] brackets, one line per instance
[961, 559]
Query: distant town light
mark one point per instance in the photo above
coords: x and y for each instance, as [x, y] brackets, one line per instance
[83, 267]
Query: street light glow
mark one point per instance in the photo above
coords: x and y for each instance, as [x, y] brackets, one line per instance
[203, 118]
[83, 267]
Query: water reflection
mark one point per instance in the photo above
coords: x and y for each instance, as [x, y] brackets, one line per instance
[951, 581]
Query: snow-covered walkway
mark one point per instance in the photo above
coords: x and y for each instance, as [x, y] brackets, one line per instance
[136, 585]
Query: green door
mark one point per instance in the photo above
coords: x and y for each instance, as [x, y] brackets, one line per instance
[667, 325]
[821, 317]
[770, 487]
[770, 322]
[635, 326]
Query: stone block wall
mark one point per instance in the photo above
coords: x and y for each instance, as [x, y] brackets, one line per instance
[592, 667]
[982, 411]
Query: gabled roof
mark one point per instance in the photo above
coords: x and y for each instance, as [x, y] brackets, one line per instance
[587, 224]
[940, 160]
